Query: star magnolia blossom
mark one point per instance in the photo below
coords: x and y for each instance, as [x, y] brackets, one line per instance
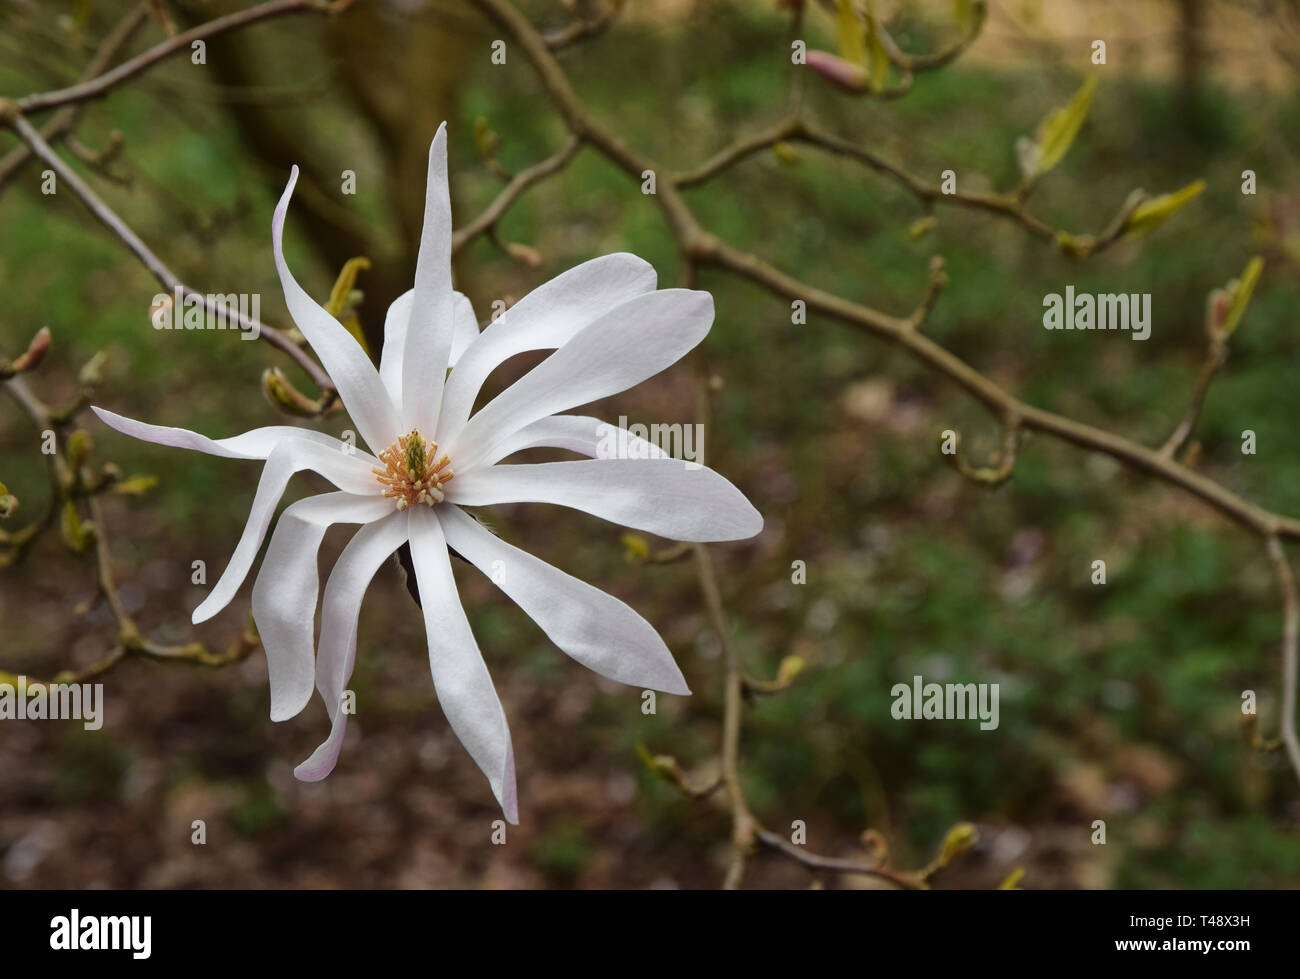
[610, 328]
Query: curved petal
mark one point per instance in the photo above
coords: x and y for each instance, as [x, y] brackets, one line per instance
[464, 327]
[346, 471]
[460, 676]
[429, 330]
[464, 333]
[255, 444]
[287, 587]
[353, 374]
[622, 348]
[576, 433]
[661, 496]
[364, 555]
[396, 321]
[596, 629]
[546, 318]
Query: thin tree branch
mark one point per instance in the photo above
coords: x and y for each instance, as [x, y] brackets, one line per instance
[582, 28]
[100, 85]
[1290, 650]
[106, 216]
[1214, 361]
[63, 120]
[486, 223]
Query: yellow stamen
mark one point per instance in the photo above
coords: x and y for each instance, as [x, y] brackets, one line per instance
[411, 474]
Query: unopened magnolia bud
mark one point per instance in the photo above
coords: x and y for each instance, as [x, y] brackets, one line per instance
[837, 71]
[110, 474]
[1012, 880]
[958, 840]
[1155, 211]
[34, 354]
[78, 446]
[790, 668]
[636, 550]
[8, 502]
[1216, 311]
[77, 534]
[285, 396]
[785, 153]
[921, 227]
[1073, 246]
[135, 486]
[1239, 293]
[665, 767]
[91, 374]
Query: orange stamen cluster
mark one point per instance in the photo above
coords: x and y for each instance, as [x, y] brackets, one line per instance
[413, 471]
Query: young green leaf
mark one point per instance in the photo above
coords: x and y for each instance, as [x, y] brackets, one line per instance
[851, 32]
[1158, 210]
[1056, 132]
[1241, 295]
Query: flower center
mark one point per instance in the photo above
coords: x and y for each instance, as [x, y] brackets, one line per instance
[414, 472]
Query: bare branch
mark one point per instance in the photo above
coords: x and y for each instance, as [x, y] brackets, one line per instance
[1290, 650]
[63, 120]
[487, 222]
[100, 85]
[106, 216]
[1000, 470]
[584, 27]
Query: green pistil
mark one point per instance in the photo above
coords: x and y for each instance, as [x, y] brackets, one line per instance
[415, 460]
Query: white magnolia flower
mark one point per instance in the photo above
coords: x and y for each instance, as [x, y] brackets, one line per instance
[610, 329]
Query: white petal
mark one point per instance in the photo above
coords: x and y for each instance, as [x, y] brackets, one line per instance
[622, 348]
[429, 332]
[349, 472]
[353, 374]
[596, 629]
[464, 333]
[287, 586]
[576, 433]
[396, 321]
[464, 327]
[364, 555]
[460, 676]
[660, 496]
[256, 444]
[546, 318]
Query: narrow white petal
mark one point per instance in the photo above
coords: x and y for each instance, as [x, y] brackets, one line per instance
[576, 433]
[660, 496]
[596, 629]
[460, 676]
[546, 318]
[429, 332]
[255, 444]
[622, 348]
[464, 333]
[287, 586]
[353, 374]
[350, 473]
[396, 321]
[340, 609]
[464, 327]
